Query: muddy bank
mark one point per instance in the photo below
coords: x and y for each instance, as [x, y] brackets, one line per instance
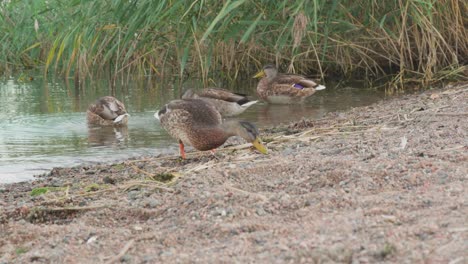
[385, 182]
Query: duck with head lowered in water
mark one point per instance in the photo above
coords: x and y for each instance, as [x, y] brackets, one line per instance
[107, 111]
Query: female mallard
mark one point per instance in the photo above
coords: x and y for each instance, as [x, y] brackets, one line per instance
[284, 88]
[196, 122]
[107, 111]
[226, 102]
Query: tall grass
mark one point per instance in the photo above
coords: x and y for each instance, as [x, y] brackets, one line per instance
[421, 40]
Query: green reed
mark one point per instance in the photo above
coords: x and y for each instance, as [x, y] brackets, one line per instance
[415, 40]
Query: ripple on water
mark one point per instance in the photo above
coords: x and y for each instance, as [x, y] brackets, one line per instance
[35, 144]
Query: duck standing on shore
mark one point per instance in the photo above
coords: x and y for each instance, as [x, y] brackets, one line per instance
[277, 88]
[226, 102]
[198, 123]
[107, 111]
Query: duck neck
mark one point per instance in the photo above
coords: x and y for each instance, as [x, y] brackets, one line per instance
[271, 75]
[230, 128]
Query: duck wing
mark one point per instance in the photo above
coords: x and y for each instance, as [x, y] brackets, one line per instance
[197, 111]
[224, 95]
[296, 81]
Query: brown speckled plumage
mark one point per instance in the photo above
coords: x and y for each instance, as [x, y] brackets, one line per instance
[198, 123]
[284, 88]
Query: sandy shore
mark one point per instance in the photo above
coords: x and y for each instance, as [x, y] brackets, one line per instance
[383, 183]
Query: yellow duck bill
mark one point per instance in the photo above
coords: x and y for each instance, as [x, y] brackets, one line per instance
[259, 74]
[258, 145]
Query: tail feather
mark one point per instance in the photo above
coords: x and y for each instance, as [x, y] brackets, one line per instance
[246, 105]
[120, 117]
[319, 87]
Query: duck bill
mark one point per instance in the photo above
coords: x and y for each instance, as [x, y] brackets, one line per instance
[258, 145]
[259, 74]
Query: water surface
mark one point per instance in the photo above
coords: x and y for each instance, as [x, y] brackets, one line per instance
[43, 123]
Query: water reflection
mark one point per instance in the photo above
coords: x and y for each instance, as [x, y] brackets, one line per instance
[107, 135]
[43, 123]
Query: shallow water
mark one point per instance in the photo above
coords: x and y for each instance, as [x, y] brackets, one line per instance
[43, 123]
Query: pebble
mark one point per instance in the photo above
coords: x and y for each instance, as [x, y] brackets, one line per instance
[442, 177]
[108, 180]
[132, 195]
[166, 253]
[152, 203]
[309, 202]
[148, 259]
[260, 211]
[287, 151]
[126, 258]
[220, 212]
[56, 183]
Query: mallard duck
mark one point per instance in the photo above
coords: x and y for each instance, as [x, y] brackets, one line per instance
[284, 88]
[226, 102]
[107, 111]
[198, 123]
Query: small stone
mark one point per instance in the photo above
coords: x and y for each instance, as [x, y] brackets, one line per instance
[137, 228]
[166, 253]
[126, 258]
[260, 211]
[133, 195]
[148, 259]
[287, 151]
[152, 203]
[108, 180]
[91, 239]
[56, 183]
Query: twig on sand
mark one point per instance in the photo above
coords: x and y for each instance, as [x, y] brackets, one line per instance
[122, 252]
[450, 92]
[153, 159]
[451, 114]
[141, 171]
[262, 197]
[152, 183]
[206, 165]
[61, 209]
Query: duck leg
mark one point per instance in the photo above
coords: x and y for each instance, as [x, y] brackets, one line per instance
[181, 149]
